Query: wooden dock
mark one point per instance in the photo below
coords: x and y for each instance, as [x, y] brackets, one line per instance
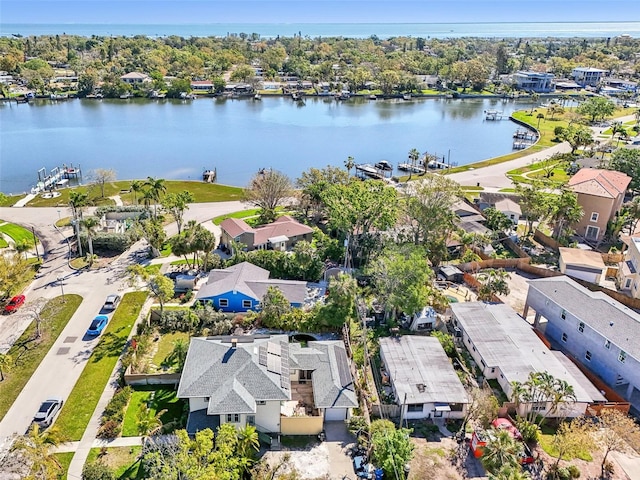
[494, 115]
[368, 170]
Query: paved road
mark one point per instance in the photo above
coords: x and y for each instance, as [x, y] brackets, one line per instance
[495, 176]
[63, 364]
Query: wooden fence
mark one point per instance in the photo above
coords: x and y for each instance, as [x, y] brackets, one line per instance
[538, 271]
[493, 263]
[514, 247]
[612, 257]
[545, 240]
[385, 411]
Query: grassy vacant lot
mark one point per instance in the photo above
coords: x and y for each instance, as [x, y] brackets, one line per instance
[546, 442]
[122, 460]
[84, 397]
[203, 192]
[18, 233]
[165, 347]
[157, 399]
[27, 354]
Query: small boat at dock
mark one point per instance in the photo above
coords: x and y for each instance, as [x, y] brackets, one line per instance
[384, 165]
[406, 96]
[257, 96]
[407, 167]
[372, 97]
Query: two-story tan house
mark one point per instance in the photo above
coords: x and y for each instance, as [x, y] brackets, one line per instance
[600, 194]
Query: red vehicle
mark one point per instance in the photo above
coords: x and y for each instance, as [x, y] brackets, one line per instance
[14, 304]
[505, 424]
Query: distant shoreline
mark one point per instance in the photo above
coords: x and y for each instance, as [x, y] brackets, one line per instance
[342, 29]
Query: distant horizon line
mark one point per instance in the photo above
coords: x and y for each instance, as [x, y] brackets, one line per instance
[320, 23]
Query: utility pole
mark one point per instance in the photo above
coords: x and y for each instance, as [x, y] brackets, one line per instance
[35, 242]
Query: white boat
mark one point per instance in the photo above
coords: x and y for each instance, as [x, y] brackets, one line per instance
[406, 96]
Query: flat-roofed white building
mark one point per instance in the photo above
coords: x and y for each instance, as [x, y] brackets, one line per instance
[424, 382]
[506, 349]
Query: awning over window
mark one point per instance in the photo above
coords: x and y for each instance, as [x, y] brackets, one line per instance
[442, 407]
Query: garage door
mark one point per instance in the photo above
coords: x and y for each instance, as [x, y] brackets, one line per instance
[335, 414]
[583, 275]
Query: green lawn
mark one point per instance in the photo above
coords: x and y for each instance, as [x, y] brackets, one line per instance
[123, 461]
[17, 233]
[157, 398]
[65, 460]
[241, 214]
[82, 401]
[9, 200]
[202, 192]
[3, 243]
[153, 269]
[28, 355]
[546, 442]
[165, 346]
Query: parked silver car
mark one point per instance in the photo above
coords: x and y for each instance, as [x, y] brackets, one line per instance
[48, 411]
[111, 302]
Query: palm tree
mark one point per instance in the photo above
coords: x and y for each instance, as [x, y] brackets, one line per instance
[633, 210]
[178, 354]
[5, 364]
[35, 448]
[540, 116]
[349, 163]
[502, 450]
[157, 188]
[136, 187]
[414, 155]
[508, 472]
[23, 247]
[90, 224]
[78, 201]
[534, 99]
[492, 282]
[248, 443]
[148, 422]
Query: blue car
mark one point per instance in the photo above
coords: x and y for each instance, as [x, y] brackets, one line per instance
[97, 325]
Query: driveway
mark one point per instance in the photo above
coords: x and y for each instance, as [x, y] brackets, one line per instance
[61, 367]
[339, 442]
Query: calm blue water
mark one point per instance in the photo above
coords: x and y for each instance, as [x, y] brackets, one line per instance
[357, 30]
[179, 139]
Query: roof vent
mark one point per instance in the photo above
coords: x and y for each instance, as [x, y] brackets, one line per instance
[420, 387]
[234, 343]
[611, 324]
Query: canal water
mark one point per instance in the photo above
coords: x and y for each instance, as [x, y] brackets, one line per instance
[177, 139]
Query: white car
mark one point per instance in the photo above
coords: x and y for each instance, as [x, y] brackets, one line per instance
[47, 412]
[111, 302]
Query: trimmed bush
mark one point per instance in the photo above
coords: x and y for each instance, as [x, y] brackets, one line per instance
[197, 319]
[113, 415]
[97, 471]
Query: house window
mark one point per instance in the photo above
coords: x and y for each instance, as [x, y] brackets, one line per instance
[564, 337]
[251, 420]
[622, 356]
[493, 370]
[260, 402]
[592, 232]
[581, 327]
[246, 303]
[223, 302]
[415, 407]
[587, 356]
[594, 216]
[233, 418]
[563, 315]
[607, 344]
[538, 406]
[627, 283]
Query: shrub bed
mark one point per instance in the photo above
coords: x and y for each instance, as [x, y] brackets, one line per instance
[113, 415]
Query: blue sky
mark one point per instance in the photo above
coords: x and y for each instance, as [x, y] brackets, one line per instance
[315, 11]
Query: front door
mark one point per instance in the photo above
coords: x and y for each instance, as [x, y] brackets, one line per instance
[592, 233]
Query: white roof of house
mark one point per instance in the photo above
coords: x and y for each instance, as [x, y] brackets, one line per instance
[506, 341]
[419, 369]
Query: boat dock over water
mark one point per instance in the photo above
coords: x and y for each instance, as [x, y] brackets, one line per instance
[494, 115]
[368, 170]
[58, 177]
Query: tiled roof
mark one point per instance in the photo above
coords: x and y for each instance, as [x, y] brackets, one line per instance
[134, 75]
[508, 205]
[608, 317]
[252, 281]
[283, 226]
[235, 226]
[600, 183]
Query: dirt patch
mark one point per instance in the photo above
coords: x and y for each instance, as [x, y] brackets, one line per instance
[443, 460]
[312, 463]
[519, 288]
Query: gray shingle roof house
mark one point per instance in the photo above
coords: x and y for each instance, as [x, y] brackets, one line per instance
[424, 382]
[241, 287]
[599, 332]
[506, 348]
[265, 381]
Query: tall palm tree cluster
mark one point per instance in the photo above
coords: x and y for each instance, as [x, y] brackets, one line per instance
[149, 191]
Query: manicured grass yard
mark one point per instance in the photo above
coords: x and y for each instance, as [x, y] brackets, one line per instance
[157, 399]
[165, 346]
[3, 243]
[65, 460]
[82, 401]
[123, 461]
[28, 355]
[18, 233]
[153, 269]
[241, 214]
